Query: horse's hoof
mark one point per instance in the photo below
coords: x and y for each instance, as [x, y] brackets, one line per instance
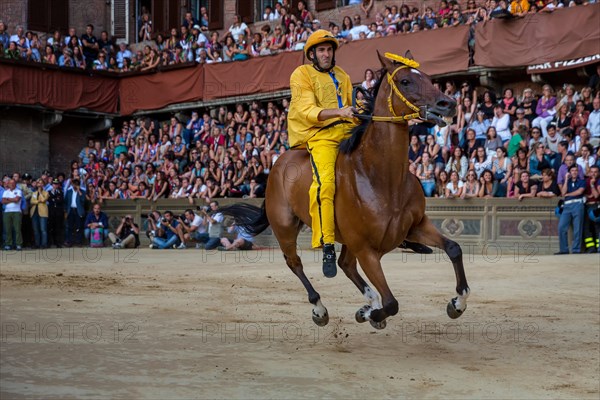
[321, 321]
[452, 311]
[361, 314]
[378, 325]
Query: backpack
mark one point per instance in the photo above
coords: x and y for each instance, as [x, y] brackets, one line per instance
[97, 237]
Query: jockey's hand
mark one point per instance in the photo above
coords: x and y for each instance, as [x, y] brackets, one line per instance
[348, 112]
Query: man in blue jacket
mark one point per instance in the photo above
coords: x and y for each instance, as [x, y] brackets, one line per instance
[96, 219]
[75, 211]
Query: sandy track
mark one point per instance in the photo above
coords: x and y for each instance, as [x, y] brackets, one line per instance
[184, 324]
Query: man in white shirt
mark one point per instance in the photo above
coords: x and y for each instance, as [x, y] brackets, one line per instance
[501, 122]
[215, 226]
[358, 28]
[123, 53]
[194, 228]
[269, 15]
[593, 124]
[11, 200]
[17, 36]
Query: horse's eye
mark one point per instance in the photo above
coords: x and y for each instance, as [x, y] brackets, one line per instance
[405, 82]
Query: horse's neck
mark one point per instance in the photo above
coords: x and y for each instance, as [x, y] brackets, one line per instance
[384, 149]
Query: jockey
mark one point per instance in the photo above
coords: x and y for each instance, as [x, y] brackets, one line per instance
[320, 117]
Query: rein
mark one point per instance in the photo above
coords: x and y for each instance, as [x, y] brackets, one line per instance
[396, 118]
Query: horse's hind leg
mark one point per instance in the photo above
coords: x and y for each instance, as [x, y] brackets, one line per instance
[287, 235]
[347, 262]
[426, 233]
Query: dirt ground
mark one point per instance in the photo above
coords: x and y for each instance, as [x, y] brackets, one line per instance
[189, 324]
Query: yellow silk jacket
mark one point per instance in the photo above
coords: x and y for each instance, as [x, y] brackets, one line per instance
[312, 92]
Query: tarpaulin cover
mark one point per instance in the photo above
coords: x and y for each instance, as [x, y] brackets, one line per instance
[257, 75]
[564, 34]
[438, 51]
[57, 89]
[157, 90]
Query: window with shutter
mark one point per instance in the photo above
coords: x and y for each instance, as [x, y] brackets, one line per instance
[175, 17]
[325, 4]
[59, 15]
[245, 8]
[159, 17]
[119, 19]
[215, 13]
[48, 15]
[37, 15]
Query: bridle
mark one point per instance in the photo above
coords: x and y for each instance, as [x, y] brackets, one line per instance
[394, 90]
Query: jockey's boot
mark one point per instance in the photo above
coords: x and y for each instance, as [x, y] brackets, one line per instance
[329, 268]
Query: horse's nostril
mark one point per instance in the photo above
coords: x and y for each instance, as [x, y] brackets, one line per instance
[443, 104]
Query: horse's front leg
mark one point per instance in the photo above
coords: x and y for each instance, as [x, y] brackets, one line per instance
[377, 312]
[347, 262]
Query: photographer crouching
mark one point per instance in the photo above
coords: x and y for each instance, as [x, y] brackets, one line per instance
[126, 235]
[194, 227]
[173, 234]
[214, 219]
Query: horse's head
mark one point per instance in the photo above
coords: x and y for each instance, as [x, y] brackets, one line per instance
[414, 92]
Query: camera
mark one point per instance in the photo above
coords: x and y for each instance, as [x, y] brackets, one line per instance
[163, 220]
[203, 208]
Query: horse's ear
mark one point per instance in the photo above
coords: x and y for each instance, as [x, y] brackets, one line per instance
[385, 63]
[408, 55]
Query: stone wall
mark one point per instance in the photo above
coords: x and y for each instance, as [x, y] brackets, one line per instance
[32, 141]
[13, 13]
[23, 143]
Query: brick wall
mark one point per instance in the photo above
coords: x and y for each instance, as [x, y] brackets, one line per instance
[81, 13]
[23, 143]
[95, 12]
[13, 13]
[66, 141]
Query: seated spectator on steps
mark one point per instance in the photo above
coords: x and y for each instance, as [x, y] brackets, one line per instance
[95, 220]
[243, 240]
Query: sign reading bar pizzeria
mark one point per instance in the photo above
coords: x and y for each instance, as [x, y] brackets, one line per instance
[563, 65]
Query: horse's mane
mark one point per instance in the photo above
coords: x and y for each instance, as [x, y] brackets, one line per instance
[368, 105]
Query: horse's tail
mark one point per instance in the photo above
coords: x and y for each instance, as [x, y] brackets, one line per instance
[251, 218]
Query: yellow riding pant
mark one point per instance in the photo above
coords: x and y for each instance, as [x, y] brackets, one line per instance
[323, 149]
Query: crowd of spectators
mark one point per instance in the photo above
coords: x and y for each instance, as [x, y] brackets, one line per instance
[497, 145]
[286, 29]
[219, 153]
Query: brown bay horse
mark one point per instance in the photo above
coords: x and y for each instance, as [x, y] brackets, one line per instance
[378, 203]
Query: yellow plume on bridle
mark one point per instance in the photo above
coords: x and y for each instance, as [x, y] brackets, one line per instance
[402, 60]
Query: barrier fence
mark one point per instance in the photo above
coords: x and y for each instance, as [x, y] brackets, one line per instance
[480, 226]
